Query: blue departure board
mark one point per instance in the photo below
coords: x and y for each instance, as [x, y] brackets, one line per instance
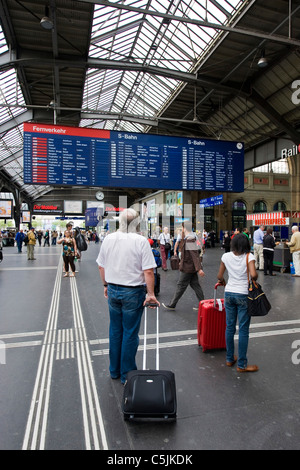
[61, 155]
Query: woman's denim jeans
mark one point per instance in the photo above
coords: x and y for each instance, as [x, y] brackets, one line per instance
[125, 310]
[236, 306]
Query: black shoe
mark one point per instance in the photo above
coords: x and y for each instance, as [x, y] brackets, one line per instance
[168, 307]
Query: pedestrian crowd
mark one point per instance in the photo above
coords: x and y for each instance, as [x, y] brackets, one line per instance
[73, 241]
[130, 286]
[128, 265]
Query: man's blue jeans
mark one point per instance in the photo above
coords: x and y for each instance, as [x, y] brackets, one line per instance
[125, 310]
[236, 306]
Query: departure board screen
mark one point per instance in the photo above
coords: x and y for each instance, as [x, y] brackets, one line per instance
[61, 155]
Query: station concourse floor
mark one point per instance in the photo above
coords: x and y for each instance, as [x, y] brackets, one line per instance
[56, 392]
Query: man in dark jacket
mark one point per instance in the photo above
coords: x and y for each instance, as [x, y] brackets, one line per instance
[190, 266]
[268, 251]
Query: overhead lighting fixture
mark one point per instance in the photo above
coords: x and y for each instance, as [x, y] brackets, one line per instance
[45, 22]
[262, 62]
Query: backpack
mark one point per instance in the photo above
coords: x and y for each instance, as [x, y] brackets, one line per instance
[157, 257]
[80, 241]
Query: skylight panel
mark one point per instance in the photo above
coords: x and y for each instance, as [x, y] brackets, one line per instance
[10, 96]
[3, 43]
[118, 34]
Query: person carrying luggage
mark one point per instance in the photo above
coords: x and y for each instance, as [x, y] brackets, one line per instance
[190, 266]
[124, 287]
[236, 299]
[165, 246]
[69, 253]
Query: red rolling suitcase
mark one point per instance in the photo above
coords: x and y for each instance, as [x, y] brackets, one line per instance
[212, 323]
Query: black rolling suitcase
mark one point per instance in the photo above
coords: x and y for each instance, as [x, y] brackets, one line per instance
[150, 394]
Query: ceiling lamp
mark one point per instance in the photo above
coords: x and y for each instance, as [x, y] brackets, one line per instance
[45, 22]
[262, 62]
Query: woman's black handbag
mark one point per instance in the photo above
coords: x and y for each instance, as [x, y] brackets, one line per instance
[258, 304]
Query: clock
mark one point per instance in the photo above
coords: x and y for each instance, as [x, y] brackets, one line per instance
[99, 195]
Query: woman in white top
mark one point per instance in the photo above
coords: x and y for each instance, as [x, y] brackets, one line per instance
[164, 241]
[236, 299]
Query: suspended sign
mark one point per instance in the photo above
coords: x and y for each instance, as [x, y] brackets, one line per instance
[61, 155]
[270, 218]
[212, 201]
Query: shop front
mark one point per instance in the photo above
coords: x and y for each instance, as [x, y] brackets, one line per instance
[281, 222]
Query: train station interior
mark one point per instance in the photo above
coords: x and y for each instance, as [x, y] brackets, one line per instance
[211, 84]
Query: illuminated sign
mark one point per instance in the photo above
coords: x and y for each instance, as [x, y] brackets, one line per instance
[212, 201]
[46, 209]
[6, 208]
[25, 217]
[270, 218]
[59, 155]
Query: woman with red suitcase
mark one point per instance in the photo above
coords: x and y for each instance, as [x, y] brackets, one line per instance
[236, 299]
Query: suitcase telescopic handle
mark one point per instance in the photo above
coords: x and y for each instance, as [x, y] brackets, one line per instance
[145, 335]
[215, 292]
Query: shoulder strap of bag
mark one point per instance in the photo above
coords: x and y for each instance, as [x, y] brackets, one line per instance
[247, 263]
[252, 281]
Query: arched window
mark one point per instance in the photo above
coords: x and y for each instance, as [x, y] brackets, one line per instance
[239, 211]
[239, 205]
[259, 206]
[279, 206]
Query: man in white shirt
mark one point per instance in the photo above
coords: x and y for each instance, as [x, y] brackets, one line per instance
[126, 265]
[165, 246]
[258, 249]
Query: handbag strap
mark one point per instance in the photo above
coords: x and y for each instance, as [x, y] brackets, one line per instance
[247, 261]
[248, 276]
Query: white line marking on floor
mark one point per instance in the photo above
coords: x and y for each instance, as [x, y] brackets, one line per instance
[21, 335]
[92, 415]
[151, 336]
[35, 432]
[189, 342]
[28, 268]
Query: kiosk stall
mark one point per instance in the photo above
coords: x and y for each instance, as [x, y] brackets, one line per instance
[280, 221]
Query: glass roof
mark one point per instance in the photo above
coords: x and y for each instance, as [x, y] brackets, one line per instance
[147, 40]
[125, 35]
[279, 166]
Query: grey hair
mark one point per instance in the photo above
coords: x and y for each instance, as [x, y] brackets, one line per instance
[129, 221]
[294, 228]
